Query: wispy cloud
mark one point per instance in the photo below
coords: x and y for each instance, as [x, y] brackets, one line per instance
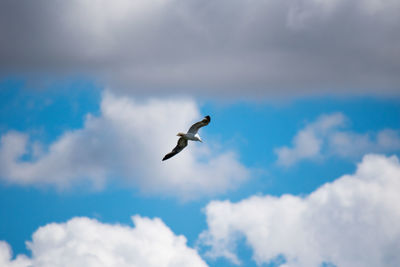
[327, 136]
[84, 242]
[126, 142]
[266, 47]
[353, 221]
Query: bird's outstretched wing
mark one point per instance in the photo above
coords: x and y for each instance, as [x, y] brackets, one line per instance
[182, 143]
[195, 127]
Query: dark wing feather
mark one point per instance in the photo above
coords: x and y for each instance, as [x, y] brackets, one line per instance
[195, 127]
[182, 143]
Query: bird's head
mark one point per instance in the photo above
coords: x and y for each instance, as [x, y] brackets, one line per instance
[180, 134]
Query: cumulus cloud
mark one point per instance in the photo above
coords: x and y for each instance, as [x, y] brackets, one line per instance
[126, 142]
[353, 221]
[327, 137]
[267, 47]
[84, 242]
[308, 142]
[6, 257]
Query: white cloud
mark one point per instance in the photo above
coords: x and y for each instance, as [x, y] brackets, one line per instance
[327, 137]
[348, 144]
[84, 242]
[307, 143]
[6, 255]
[353, 221]
[126, 142]
[266, 47]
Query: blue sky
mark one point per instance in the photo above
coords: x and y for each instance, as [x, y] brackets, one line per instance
[299, 165]
[253, 130]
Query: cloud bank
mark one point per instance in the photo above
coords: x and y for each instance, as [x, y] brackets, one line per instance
[353, 221]
[84, 242]
[267, 47]
[327, 136]
[125, 143]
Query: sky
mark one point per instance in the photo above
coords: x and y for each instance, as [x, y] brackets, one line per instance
[299, 166]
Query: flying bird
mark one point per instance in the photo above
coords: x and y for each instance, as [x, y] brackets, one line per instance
[190, 135]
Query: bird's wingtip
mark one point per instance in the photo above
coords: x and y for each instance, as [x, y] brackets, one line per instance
[208, 117]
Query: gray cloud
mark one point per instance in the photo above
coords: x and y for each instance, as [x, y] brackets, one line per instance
[267, 47]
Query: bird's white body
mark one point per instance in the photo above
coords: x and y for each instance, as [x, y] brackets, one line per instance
[190, 136]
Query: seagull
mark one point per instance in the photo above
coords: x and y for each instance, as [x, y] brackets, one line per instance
[190, 135]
